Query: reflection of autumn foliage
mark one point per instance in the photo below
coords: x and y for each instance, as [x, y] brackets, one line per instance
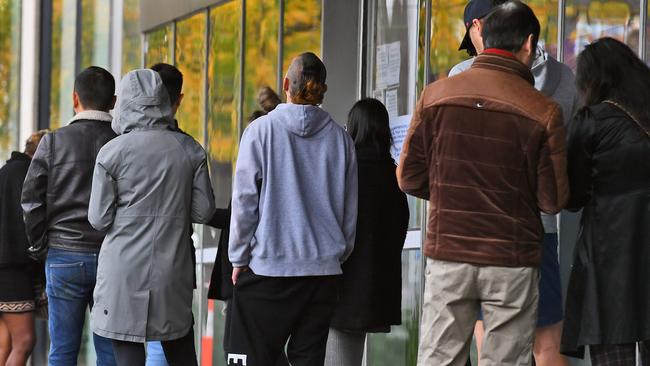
[302, 29]
[262, 18]
[64, 26]
[159, 46]
[546, 11]
[95, 35]
[9, 74]
[223, 82]
[447, 30]
[131, 47]
[190, 60]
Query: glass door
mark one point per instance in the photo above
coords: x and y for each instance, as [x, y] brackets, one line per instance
[394, 74]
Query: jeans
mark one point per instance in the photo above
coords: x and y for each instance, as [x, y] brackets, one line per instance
[70, 283]
[155, 354]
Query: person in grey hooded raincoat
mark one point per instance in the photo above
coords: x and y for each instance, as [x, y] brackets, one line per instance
[150, 183]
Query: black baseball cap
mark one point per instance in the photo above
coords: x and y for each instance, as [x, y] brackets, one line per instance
[475, 9]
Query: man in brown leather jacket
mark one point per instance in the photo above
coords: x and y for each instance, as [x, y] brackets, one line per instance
[487, 151]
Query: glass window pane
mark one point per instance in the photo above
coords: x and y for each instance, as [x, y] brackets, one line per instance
[223, 97]
[393, 67]
[131, 41]
[9, 75]
[190, 60]
[587, 21]
[302, 28]
[547, 13]
[447, 31]
[64, 25]
[96, 33]
[159, 46]
[262, 18]
[400, 346]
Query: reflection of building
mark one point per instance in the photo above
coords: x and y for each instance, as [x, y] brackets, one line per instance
[227, 49]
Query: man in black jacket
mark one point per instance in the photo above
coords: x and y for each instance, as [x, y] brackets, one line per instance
[55, 201]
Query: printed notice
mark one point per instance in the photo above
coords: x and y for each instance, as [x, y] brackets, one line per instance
[388, 61]
[391, 103]
[379, 95]
[398, 128]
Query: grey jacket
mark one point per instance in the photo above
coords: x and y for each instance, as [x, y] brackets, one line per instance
[149, 184]
[555, 80]
[294, 201]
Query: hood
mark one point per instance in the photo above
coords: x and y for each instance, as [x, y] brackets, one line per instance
[302, 120]
[142, 103]
[547, 72]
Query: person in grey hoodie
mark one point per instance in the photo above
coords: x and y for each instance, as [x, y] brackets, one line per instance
[555, 80]
[149, 184]
[294, 214]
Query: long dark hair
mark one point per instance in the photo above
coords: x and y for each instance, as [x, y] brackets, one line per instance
[609, 70]
[368, 125]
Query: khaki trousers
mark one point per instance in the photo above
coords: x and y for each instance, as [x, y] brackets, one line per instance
[453, 295]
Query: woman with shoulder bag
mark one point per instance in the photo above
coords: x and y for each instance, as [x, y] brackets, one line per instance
[608, 302]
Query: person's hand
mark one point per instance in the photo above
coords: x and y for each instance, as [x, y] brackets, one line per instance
[236, 272]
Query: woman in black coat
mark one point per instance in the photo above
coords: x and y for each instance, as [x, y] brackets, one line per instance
[371, 285]
[18, 272]
[608, 303]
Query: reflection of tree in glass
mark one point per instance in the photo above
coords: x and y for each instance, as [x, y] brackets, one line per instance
[9, 74]
[190, 60]
[223, 82]
[131, 51]
[447, 31]
[159, 47]
[302, 29]
[64, 25]
[95, 34]
[546, 11]
[262, 18]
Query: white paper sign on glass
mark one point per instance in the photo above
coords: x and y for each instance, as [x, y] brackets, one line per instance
[398, 128]
[388, 61]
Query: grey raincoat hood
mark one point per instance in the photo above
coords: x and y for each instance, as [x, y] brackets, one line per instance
[149, 185]
[142, 102]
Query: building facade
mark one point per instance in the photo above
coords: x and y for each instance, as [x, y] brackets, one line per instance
[228, 49]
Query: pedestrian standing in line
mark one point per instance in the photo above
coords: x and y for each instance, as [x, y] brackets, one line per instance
[18, 272]
[370, 296]
[55, 201]
[555, 80]
[221, 285]
[149, 184]
[487, 151]
[294, 213]
[608, 148]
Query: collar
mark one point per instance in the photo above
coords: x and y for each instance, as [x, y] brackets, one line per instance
[17, 155]
[500, 52]
[92, 115]
[500, 60]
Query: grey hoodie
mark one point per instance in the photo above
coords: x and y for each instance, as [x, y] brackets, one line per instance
[555, 80]
[294, 204]
[149, 184]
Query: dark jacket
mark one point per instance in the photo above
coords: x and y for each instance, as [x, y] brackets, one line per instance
[57, 187]
[13, 241]
[371, 285]
[221, 279]
[488, 152]
[609, 288]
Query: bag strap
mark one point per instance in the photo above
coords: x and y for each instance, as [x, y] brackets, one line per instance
[638, 123]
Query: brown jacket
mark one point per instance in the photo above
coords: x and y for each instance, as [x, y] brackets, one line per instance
[488, 152]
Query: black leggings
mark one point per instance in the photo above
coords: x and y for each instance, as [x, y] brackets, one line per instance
[178, 352]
